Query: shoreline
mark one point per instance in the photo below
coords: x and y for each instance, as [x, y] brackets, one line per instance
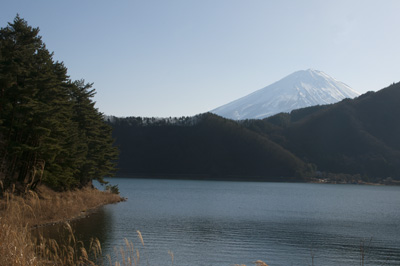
[231, 178]
[47, 207]
[21, 215]
[83, 214]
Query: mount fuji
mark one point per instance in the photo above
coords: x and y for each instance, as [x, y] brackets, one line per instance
[300, 89]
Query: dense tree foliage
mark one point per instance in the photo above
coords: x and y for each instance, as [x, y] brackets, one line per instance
[50, 130]
[205, 146]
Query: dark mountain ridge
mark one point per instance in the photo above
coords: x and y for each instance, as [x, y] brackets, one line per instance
[350, 140]
[359, 136]
[211, 148]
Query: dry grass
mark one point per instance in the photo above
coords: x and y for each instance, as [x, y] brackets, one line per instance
[73, 252]
[16, 247]
[19, 214]
[51, 207]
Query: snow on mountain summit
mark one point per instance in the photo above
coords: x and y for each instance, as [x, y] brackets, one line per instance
[301, 89]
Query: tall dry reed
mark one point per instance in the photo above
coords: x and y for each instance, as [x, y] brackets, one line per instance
[20, 213]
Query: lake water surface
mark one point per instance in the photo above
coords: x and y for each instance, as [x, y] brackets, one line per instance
[225, 223]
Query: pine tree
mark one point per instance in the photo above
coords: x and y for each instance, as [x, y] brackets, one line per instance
[23, 59]
[101, 156]
[50, 130]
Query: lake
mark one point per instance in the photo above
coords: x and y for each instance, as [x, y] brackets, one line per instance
[224, 223]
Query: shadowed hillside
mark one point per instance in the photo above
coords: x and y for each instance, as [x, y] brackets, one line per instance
[359, 136]
[205, 146]
[354, 139]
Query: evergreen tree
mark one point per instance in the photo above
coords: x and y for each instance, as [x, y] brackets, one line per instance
[101, 156]
[50, 130]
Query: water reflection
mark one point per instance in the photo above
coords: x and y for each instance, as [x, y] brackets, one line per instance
[96, 224]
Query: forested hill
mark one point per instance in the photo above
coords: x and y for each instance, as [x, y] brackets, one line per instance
[359, 136]
[351, 140]
[50, 130]
[205, 146]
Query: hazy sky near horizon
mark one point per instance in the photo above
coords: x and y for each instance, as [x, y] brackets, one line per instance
[183, 57]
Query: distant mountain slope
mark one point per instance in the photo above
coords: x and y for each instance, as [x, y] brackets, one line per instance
[350, 140]
[300, 89]
[205, 146]
[359, 136]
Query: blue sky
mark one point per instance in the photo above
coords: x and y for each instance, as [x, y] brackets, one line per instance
[183, 57]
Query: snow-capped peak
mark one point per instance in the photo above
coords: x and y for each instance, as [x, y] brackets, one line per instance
[300, 89]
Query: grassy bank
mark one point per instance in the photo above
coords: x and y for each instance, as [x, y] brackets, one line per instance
[19, 214]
